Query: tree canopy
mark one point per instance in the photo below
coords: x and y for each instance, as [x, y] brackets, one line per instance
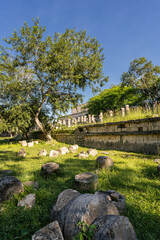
[114, 98]
[48, 71]
[145, 77]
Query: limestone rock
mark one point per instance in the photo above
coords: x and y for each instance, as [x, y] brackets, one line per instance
[22, 153]
[50, 232]
[64, 200]
[72, 148]
[86, 207]
[113, 228]
[43, 152]
[24, 143]
[157, 161]
[28, 201]
[36, 142]
[30, 144]
[116, 198]
[104, 152]
[63, 150]
[83, 155]
[53, 153]
[49, 168]
[86, 181]
[31, 183]
[4, 173]
[8, 186]
[76, 146]
[104, 162]
[92, 152]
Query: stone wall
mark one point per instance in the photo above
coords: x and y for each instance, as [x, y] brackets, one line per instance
[142, 135]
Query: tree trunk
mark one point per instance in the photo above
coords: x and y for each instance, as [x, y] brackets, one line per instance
[40, 125]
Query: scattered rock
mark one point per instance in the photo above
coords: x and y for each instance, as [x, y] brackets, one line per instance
[63, 202]
[86, 207]
[104, 162]
[24, 143]
[43, 152]
[157, 160]
[50, 232]
[53, 153]
[92, 152]
[30, 144]
[86, 181]
[36, 142]
[158, 169]
[110, 227]
[104, 152]
[63, 150]
[83, 155]
[49, 168]
[31, 183]
[72, 149]
[4, 173]
[22, 153]
[116, 198]
[9, 186]
[76, 146]
[28, 201]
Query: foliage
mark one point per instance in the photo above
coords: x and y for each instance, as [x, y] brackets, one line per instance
[86, 231]
[143, 75]
[49, 70]
[134, 176]
[113, 98]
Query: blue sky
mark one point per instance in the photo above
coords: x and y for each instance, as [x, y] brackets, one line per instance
[126, 29]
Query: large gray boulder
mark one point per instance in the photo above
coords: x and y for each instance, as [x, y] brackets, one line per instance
[9, 186]
[104, 162]
[111, 227]
[116, 198]
[50, 168]
[86, 207]
[28, 201]
[63, 202]
[86, 181]
[50, 232]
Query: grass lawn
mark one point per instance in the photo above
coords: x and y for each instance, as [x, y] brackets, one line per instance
[133, 175]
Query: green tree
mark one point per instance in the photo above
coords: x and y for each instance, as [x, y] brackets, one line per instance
[50, 70]
[113, 98]
[145, 77]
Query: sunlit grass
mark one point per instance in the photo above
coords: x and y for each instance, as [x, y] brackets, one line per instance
[134, 176]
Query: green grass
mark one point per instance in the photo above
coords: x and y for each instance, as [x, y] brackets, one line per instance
[133, 175]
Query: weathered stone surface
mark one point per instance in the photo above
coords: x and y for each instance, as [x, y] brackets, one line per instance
[22, 153]
[158, 169]
[31, 183]
[113, 228]
[28, 201]
[30, 144]
[157, 161]
[72, 148]
[4, 173]
[86, 207]
[24, 143]
[49, 168]
[104, 152]
[92, 152]
[43, 152]
[104, 162]
[83, 155]
[63, 150]
[86, 181]
[116, 198]
[53, 153]
[8, 186]
[63, 202]
[76, 146]
[50, 232]
[36, 142]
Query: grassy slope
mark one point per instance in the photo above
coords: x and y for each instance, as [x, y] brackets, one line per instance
[134, 176]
